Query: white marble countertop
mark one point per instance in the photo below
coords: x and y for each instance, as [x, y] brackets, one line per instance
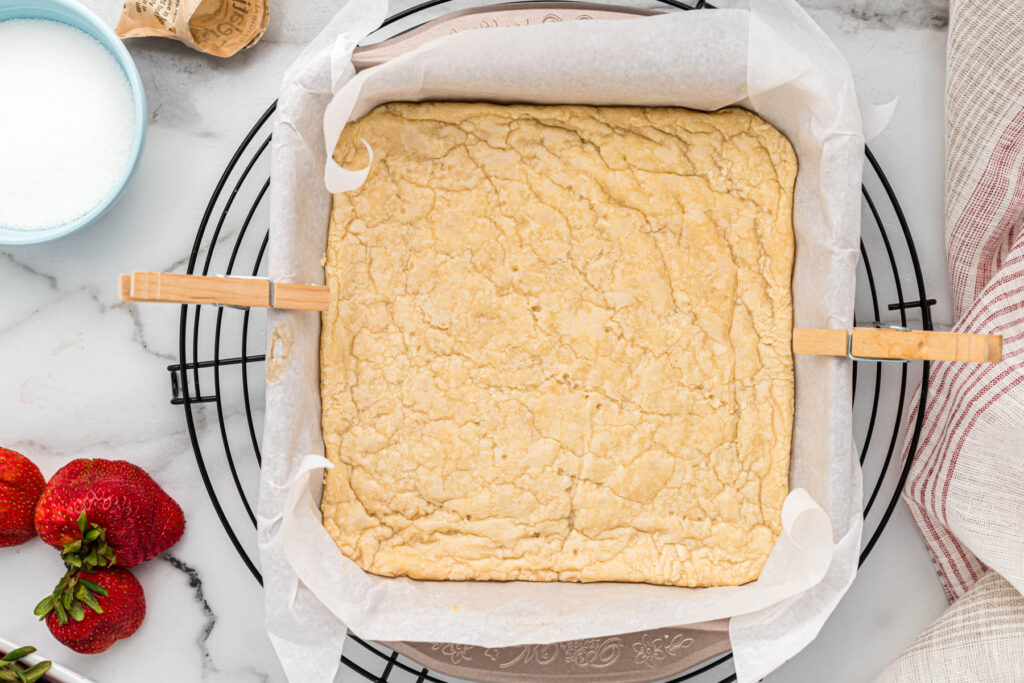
[82, 375]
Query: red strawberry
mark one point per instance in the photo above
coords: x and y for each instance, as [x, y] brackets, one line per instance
[99, 512]
[89, 611]
[21, 484]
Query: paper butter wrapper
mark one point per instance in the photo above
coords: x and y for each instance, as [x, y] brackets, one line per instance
[216, 27]
[771, 59]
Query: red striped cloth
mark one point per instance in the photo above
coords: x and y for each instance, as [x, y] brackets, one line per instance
[966, 488]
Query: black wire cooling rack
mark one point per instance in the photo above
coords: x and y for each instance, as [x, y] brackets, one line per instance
[221, 364]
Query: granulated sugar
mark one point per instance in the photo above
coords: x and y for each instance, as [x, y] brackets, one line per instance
[66, 123]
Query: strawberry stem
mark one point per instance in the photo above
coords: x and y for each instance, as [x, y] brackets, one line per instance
[70, 598]
[73, 594]
[90, 551]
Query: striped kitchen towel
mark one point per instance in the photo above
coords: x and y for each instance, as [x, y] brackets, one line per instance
[966, 486]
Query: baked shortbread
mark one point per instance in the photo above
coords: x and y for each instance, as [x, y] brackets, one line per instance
[559, 344]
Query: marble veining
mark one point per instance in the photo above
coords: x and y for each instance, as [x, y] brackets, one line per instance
[196, 584]
[83, 375]
[888, 14]
[210, 669]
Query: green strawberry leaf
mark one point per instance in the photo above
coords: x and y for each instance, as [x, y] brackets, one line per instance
[62, 615]
[9, 674]
[77, 611]
[94, 587]
[83, 594]
[90, 551]
[44, 607]
[15, 655]
[37, 671]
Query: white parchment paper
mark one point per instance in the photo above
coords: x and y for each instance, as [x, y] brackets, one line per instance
[771, 59]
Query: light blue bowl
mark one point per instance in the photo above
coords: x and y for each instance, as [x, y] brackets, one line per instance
[73, 14]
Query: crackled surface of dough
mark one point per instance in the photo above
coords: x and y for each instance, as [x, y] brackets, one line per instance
[558, 346]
